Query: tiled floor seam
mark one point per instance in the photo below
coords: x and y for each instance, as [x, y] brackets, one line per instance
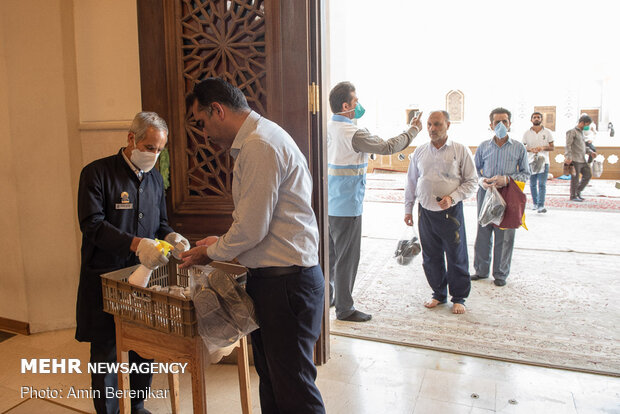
[72, 409]
[16, 405]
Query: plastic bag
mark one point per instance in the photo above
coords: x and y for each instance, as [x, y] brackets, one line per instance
[597, 168]
[538, 164]
[514, 198]
[407, 247]
[224, 311]
[493, 208]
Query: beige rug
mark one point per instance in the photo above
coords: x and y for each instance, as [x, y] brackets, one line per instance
[560, 309]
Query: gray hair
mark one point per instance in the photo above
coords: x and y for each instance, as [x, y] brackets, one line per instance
[445, 114]
[145, 120]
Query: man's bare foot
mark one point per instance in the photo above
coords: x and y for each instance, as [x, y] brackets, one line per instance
[432, 303]
[458, 308]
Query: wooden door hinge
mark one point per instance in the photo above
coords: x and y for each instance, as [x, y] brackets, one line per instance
[313, 98]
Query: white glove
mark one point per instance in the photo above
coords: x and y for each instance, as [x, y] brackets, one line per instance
[180, 244]
[149, 254]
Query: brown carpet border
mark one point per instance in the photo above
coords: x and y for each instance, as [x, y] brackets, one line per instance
[473, 354]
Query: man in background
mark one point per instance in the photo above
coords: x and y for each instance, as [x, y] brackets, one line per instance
[575, 154]
[538, 141]
[588, 135]
[441, 175]
[348, 147]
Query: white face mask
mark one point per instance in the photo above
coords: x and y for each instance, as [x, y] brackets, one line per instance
[144, 160]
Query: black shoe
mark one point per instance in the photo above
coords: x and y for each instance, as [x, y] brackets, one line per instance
[580, 198]
[477, 277]
[576, 199]
[357, 316]
[499, 282]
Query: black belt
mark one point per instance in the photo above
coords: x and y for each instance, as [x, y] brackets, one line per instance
[275, 271]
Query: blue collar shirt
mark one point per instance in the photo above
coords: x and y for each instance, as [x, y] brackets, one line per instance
[510, 159]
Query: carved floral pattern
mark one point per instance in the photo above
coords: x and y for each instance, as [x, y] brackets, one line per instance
[226, 39]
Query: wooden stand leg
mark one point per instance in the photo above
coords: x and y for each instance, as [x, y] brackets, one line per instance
[123, 379]
[161, 346]
[196, 366]
[173, 384]
[243, 366]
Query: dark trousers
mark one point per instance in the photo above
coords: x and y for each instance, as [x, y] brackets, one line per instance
[577, 185]
[289, 310]
[105, 351]
[492, 242]
[345, 240]
[442, 235]
[593, 148]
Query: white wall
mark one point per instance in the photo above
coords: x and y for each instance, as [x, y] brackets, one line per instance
[13, 292]
[41, 141]
[108, 73]
[517, 54]
[108, 65]
[69, 86]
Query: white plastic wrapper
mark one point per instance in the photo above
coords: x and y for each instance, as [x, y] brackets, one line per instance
[407, 247]
[537, 166]
[225, 312]
[493, 208]
[597, 168]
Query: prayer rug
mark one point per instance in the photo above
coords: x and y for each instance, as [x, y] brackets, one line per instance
[600, 195]
[559, 309]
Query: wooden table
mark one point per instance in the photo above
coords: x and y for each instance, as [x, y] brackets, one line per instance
[150, 343]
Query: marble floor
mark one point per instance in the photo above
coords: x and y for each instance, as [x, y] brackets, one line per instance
[362, 377]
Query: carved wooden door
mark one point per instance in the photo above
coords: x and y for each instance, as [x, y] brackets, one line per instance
[270, 49]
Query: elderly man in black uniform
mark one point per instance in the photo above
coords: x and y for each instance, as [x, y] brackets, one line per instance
[121, 208]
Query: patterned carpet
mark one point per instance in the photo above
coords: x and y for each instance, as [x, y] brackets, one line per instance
[547, 315]
[560, 307]
[600, 194]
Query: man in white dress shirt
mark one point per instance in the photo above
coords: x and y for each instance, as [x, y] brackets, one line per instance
[275, 235]
[441, 175]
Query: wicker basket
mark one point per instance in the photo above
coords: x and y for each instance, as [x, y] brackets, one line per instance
[158, 310]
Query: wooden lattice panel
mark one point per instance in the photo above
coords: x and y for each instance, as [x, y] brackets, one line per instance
[226, 39]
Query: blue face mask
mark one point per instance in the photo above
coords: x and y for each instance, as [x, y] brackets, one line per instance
[585, 128]
[500, 130]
